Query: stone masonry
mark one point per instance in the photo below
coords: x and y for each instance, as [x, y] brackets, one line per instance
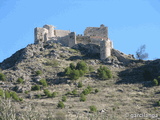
[92, 35]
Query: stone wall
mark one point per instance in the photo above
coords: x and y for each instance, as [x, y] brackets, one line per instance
[101, 31]
[61, 33]
[83, 39]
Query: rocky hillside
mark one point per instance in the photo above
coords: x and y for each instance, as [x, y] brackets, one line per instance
[131, 78]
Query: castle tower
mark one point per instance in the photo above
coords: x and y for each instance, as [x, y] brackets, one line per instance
[40, 35]
[50, 29]
[105, 49]
[72, 39]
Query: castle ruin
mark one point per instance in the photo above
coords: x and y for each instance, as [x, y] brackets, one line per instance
[92, 35]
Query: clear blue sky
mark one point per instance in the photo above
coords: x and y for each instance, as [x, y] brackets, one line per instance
[131, 23]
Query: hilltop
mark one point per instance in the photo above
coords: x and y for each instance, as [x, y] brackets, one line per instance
[129, 91]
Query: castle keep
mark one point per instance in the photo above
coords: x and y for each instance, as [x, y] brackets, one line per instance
[92, 35]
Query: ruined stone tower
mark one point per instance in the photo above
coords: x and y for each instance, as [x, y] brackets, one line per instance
[105, 49]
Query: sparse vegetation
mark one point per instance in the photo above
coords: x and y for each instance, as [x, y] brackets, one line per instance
[35, 87]
[155, 82]
[74, 72]
[104, 73]
[96, 90]
[74, 92]
[140, 53]
[20, 80]
[61, 105]
[82, 98]
[93, 108]
[38, 72]
[2, 77]
[43, 82]
[80, 85]
[64, 98]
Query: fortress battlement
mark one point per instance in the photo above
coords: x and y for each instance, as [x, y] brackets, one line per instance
[92, 35]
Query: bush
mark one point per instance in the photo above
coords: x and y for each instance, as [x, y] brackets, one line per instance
[91, 69]
[64, 98]
[82, 66]
[43, 82]
[72, 66]
[155, 82]
[2, 77]
[74, 92]
[60, 104]
[39, 96]
[74, 75]
[14, 96]
[104, 73]
[86, 91]
[35, 87]
[1, 93]
[96, 90]
[81, 73]
[93, 108]
[67, 71]
[80, 85]
[89, 88]
[46, 92]
[20, 80]
[7, 94]
[38, 72]
[82, 98]
[54, 94]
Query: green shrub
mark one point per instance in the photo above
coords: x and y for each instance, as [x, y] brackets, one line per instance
[80, 85]
[96, 90]
[38, 72]
[74, 92]
[89, 88]
[81, 73]
[104, 73]
[1, 93]
[64, 98]
[60, 104]
[82, 66]
[67, 71]
[35, 87]
[155, 82]
[86, 91]
[93, 108]
[54, 94]
[14, 96]
[74, 75]
[91, 69]
[72, 66]
[2, 77]
[26, 92]
[46, 92]
[7, 94]
[43, 82]
[82, 98]
[39, 96]
[20, 99]
[20, 80]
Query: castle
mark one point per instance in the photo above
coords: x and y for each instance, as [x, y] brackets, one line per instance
[92, 35]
